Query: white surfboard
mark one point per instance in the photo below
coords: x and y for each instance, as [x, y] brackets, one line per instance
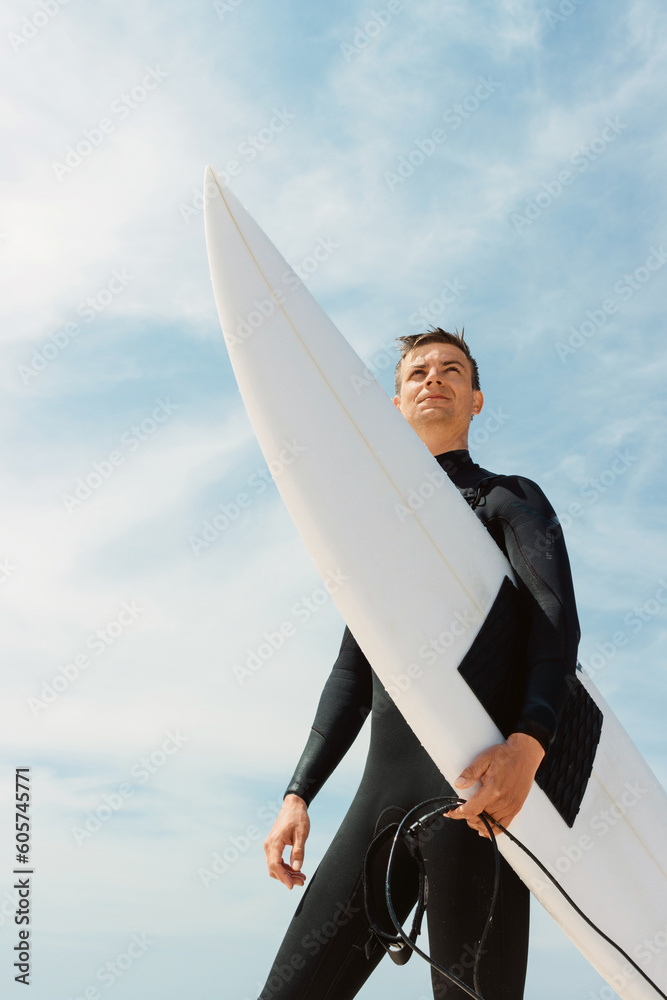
[373, 505]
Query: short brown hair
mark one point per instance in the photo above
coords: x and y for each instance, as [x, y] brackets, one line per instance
[433, 336]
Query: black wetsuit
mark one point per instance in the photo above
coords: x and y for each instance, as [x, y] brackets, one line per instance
[328, 950]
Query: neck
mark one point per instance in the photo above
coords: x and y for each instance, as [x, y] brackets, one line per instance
[438, 440]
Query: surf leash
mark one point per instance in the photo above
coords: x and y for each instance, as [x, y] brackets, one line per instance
[409, 831]
[410, 834]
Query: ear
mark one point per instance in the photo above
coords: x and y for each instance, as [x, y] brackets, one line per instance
[477, 401]
[397, 402]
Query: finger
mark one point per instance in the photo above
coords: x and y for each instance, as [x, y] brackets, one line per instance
[496, 816]
[283, 876]
[292, 871]
[475, 805]
[295, 878]
[459, 814]
[274, 854]
[273, 846]
[274, 857]
[484, 830]
[296, 856]
[469, 775]
[504, 820]
[475, 823]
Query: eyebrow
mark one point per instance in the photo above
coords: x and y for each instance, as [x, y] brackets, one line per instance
[443, 364]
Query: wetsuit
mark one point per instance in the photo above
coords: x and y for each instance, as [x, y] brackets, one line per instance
[329, 950]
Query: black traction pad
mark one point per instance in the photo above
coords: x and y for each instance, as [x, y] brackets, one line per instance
[563, 774]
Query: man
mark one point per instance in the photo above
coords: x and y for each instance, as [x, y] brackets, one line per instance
[329, 950]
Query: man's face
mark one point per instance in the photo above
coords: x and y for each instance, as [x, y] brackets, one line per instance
[437, 388]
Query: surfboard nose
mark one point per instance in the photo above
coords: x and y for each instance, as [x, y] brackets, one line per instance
[215, 183]
[217, 191]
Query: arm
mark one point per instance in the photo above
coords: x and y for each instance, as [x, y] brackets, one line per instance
[345, 702]
[526, 528]
[534, 543]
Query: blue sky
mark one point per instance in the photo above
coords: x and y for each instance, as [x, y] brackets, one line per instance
[493, 165]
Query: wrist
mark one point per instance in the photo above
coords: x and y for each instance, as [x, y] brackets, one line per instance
[293, 799]
[526, 744]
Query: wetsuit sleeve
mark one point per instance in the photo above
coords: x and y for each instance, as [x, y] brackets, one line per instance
[533, 541]
[345, 702]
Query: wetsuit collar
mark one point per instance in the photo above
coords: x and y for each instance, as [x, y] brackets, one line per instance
[454, 461]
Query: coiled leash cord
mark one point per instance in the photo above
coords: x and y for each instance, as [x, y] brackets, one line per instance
[409, 833]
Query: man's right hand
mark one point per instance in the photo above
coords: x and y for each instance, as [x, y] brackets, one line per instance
[290, 829]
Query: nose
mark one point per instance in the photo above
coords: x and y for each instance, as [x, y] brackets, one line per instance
[434, 376]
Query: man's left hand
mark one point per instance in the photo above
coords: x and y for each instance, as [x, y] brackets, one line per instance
[506, 772]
